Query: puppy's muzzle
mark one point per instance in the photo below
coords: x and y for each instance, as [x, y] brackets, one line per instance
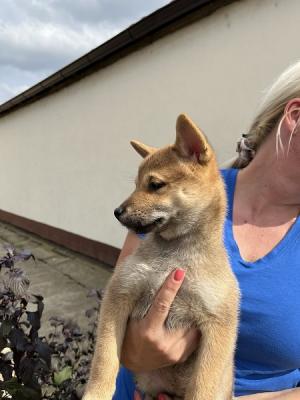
[136, 222]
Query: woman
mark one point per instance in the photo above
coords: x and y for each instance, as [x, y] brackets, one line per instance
[262, 237]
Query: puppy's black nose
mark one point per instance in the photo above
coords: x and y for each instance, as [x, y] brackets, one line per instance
[118, 212]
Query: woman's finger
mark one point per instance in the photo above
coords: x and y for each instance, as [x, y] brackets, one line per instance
[160, 307]
[137, 396]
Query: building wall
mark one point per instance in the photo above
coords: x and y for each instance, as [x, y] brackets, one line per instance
[66, 159]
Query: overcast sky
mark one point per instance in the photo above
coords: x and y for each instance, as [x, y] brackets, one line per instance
[38, 37]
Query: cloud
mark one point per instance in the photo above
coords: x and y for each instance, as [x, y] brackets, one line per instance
[38, 37]
[14, 80]
[8, 91]
[37, 46]
[111, 11]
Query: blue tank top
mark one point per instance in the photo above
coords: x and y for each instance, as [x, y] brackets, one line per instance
[268, 346]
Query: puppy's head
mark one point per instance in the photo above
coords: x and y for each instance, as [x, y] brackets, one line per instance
[175, 185]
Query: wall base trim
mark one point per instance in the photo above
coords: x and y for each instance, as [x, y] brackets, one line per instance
[100, 251]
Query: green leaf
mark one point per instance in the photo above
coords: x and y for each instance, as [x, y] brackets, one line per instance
[5, 328]
[63, 375]
[27, 393]
[3, 343]
[10, 385]
[18, 391]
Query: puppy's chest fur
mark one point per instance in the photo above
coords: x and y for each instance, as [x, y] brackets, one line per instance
[201, 293]
[201, 298]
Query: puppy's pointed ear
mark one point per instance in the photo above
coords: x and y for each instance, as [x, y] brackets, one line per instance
[190, 141]
[142, 149]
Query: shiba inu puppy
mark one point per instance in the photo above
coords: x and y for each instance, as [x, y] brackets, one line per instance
[180, 202]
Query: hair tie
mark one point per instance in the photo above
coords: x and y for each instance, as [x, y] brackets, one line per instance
[245, 148]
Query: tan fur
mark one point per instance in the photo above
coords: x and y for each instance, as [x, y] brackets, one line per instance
[184, 218]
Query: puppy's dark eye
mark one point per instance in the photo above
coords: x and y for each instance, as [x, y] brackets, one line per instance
[153, 186]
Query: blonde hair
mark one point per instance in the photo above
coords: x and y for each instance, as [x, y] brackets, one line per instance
[285, 88]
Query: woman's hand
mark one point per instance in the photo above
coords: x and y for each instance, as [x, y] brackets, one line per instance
[290, 394]
[147, 344]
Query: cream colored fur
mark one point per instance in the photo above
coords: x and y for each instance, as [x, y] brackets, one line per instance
[184, 217]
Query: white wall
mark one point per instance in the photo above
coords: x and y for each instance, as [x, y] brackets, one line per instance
[66, 159]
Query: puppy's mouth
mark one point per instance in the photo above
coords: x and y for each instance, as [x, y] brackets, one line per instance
[140, 228]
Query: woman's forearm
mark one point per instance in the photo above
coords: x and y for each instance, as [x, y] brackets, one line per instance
[290, 394]
[131, 243]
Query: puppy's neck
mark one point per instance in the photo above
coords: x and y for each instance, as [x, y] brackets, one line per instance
[201, 234]
[207, 226]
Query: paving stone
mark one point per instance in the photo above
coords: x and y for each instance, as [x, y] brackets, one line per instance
[64, 252]
[55, 260]
[43, 253]
[30, 244]
[64, 278]
[87, 274]
[66, 298]
[12, 237]
[3, 228]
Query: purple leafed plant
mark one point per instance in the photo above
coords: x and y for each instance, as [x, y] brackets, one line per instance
[35, 367]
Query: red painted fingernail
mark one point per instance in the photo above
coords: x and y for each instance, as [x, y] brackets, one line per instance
[161, 397]
[178, 276]
[136, 396]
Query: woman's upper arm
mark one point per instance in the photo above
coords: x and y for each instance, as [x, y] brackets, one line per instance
[131, 243]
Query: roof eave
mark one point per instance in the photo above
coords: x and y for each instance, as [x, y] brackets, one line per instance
[171, 17]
